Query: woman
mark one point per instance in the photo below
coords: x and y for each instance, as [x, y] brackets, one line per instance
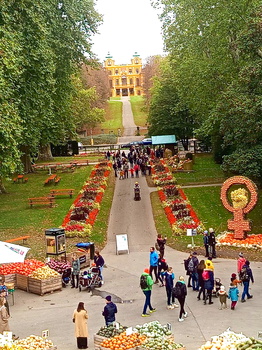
[80, 319]
[180, 292]
[4, 316]
[161, 243]
[208, 277]
[99, 261]
[200, 269]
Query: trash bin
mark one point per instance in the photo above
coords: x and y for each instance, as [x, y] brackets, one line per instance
[88, 246]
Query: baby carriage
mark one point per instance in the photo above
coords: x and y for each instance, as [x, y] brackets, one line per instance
[90, 279]
[66, 274]
[217, 286]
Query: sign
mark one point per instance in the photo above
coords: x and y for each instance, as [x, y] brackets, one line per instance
[129, 331]
[121, 243]
[45, 333]
[189, 232]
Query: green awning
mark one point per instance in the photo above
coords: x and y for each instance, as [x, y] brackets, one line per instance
[163, 139]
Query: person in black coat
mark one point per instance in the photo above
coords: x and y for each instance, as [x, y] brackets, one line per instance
[99, 261]
[212, 243]
[161, 243]
[180, 294]
[206, 245]
[109, 311]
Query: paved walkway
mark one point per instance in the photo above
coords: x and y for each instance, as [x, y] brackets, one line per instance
[31, 313]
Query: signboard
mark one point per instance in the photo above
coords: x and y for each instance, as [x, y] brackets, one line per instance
[45, 333]
[189, 232]
[121, 243]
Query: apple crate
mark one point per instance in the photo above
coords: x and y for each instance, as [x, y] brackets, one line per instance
[22, 282]
[98, 340]
[8, 278]
[41, 287]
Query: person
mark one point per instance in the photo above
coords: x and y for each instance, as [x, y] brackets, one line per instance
[180, 292]
[234, 279]
[132, 172]
[240, 262]
[108, 154]
[169, 283]
[109, 311]
[222, 294]
[208, 277]
[246, 275]
[205, 240]
[137, 191]
[100, 262]
[75, 271]
[4, 294]
[212, 242]
[162, 268]
[126, 168]
[200, 269]
[189, 274]
[193, 264]
[4, 316]
[161, 243]
[115, 168]
[136, 169]
[153, 260]
[147, 290]
[121, 174]
[233, 294]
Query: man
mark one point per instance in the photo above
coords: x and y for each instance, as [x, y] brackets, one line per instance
[205, 240]
[194, 262]
[245, 276]
[161, 243]
[153, 260]
[109, 311]
[212, 242]
[146, 284]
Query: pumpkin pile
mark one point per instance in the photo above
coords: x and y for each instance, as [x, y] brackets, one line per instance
[123, 341]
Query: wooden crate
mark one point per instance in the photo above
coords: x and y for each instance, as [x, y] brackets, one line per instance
[8, 278]
[22, 282]
[98, 340]
[83, 257]
[42, 287]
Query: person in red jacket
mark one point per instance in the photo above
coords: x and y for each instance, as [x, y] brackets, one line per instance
[240, 262]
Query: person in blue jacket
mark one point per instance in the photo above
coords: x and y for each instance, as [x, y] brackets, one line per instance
[153, 261]
[109, 311]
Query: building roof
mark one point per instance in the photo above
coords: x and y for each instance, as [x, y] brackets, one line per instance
[163, 139]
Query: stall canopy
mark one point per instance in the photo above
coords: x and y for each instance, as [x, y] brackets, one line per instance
[10, 253]
[163, 140]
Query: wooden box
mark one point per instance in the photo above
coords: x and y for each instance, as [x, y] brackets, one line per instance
[8, 278]
[22, 282]
[83, 257]
[44, 286]
[98, 340]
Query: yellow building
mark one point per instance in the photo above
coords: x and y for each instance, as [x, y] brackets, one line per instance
[125, 79]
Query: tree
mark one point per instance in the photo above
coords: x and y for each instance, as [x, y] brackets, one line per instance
[167, 112]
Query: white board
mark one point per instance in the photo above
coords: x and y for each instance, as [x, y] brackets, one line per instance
[122, 243]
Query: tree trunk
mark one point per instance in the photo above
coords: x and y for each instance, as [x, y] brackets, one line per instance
[2, 187]
[26, 159]
[45, 153]
[185, 144]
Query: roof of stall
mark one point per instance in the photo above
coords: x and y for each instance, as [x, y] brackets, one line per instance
[163, 139]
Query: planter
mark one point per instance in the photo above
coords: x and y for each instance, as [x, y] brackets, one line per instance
[22, 282]
[42, 287]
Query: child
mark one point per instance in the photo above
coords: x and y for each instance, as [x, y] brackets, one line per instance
[234, 279]
[222, 298]
[233, 294]
[122, 174]
[132, 172]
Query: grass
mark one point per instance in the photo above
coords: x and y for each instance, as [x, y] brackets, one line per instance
[18, 219]
[113, 117]
[137, 104]
[206, 171]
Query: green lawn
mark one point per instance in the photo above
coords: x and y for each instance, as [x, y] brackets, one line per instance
[140, 116]
[206, 171]
[113, 117]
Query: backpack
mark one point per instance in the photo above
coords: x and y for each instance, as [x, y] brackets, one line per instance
[190, 266]
[205, 275]
[176, 291]
[143, 282]
[244, 274]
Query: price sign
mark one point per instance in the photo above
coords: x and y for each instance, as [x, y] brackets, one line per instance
[122, 243]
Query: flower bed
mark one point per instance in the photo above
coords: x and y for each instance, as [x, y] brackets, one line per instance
[82, 214]
[177, 207]
[251, 241]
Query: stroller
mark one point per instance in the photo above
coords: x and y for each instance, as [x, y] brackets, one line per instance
[217, 286]
[90, 279]
[66, 275]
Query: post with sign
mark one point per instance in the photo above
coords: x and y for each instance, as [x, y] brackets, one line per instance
[122, 244]
[192, 233]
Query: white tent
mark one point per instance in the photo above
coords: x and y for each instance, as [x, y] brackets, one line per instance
[12, 253]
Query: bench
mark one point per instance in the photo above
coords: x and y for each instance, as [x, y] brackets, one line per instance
[25, 179]
[57, 180]
[62, 192]
[22, 238]
[41, 200]
[80, 162]
[15, 180]
[50, 179]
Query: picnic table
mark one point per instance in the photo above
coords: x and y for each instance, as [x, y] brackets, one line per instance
[20, 179]
[50, 179]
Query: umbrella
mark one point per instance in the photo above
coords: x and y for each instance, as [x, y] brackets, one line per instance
[12, 253]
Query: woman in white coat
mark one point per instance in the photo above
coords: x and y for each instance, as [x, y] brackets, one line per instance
[80, 317]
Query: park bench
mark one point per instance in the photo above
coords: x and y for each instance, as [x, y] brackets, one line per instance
[22, 238]
[57, 180]
[41, 200]
[62, 192]
[80, 162]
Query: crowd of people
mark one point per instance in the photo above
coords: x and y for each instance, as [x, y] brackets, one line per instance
[201, 278]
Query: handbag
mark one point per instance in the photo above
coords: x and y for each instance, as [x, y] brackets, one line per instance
[157, 246]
